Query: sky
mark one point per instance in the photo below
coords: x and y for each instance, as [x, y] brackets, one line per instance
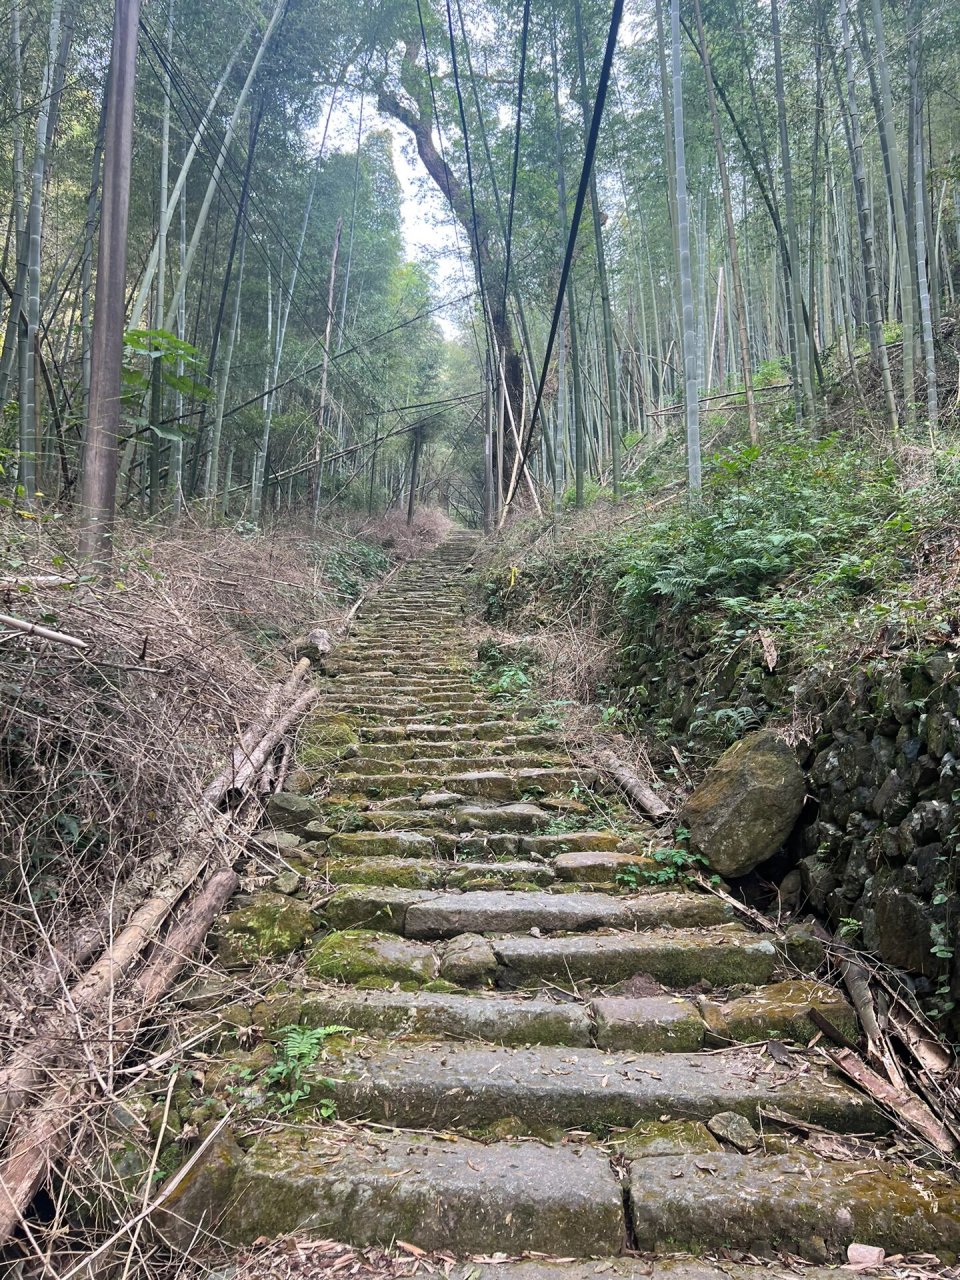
[431, 233]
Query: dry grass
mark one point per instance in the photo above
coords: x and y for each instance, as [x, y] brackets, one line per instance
[103, 749]
[406, 541]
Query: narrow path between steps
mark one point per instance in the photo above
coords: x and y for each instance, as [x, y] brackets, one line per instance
[540, 1060]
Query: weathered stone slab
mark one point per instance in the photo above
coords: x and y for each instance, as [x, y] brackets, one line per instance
[792, 1203]
[674, 959]
[399, 873]
[462, 1198]
[444, 915]
[468, 959]
[572, 842]
[373, 907]
[593, 867]
[288, 811]
[498, 1019]
[653, 1024]
[499, 874]
[269, 925]
[381, 844]
[781, 1011]
[509, 817]
[465, 1086]
[496, 785]
[628, 1268]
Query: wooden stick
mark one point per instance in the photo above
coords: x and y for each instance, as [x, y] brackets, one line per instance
[631, 782]
[43, 633]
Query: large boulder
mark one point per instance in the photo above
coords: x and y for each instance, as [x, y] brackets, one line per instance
[747, 804]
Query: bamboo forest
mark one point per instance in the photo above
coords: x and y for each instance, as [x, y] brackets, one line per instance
[479, 639]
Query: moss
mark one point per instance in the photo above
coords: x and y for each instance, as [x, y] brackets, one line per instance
[354, 955]
[666, 1138]
[398, 873]
[323, 742]
[441, 986]
[269, 925]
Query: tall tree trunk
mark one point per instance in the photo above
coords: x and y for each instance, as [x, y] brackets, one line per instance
[878, 346]
[325, 370]
[736, 280]
[215, 176]
[609, 344]
[691, 394]
[900, 219]
[27, 470]
[920, 216]
[12, 339]
[98, 494]
[579, 425]
[156, 381]
[804, 393]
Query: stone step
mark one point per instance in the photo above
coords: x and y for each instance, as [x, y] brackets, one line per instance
[488, 784]
[463, 1198]
[419, 873]
[495, 1018]
[723, 957]
[427, 916]
[478, 731]
[672, 1267]
[446, 1085]
[425, 762]
[482, 820]
[789, 1204]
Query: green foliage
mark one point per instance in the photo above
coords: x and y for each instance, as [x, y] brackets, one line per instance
[348, 567]
[182, 369]
[673, 867]
[505, 670]
[299, 1048]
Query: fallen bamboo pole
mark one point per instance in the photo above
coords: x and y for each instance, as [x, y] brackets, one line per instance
[630, 781]
[42, 633]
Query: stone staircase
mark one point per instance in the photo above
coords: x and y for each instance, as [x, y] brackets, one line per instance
[547, 1055]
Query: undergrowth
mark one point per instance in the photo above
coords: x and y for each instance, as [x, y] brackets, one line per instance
[816, 547]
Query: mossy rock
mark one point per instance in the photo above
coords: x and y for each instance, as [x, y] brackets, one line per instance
[324, 742]
[358, 955]
[270, 925]
[781, 1011]
[666, 1138]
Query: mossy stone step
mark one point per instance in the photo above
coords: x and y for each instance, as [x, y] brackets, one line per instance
[424, 915]
[381, 844]
[497, 1019]
[464, 1198]
[651, 1024]
[794, 1204]
[418, 873]
[723, 957]
[424, 762]
[599, 867]
[454, 1086]
[495, 784]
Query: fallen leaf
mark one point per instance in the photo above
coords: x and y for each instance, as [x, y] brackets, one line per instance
[770, 655]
